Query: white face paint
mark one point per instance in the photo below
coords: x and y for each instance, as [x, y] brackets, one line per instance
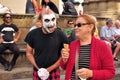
[49, 22]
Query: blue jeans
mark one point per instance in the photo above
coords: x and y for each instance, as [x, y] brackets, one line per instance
[29, 7]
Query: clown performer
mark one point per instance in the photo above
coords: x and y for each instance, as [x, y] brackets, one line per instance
[44, 46]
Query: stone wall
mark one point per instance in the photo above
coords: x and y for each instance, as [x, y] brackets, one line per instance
[102, 9]
[25, 21]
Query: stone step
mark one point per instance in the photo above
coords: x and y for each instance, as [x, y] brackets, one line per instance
[117, 64]
[16, 73]
[24, 79]
[117, 76]
[25, 73]
[22, 70]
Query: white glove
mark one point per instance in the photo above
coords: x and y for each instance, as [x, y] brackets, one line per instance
[43, 73]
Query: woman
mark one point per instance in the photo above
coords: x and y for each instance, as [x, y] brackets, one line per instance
[94, 60]
[29, 7]
[32, 7]
[51, 5]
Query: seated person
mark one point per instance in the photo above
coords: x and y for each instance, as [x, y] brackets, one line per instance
[69, 31]
[8, 41]
[29, 7]
[106, 34]
[116, 30]
[69, 8]
[32, 7]
[50, 4]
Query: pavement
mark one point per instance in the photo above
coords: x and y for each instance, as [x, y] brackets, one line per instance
[23, 71]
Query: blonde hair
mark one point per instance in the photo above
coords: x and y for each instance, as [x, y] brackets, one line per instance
[96, 33]
[92, 20]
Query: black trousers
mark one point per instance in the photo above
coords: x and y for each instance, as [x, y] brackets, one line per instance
[12, 47]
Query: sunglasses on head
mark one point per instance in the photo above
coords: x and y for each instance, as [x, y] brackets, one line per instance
[81, 24]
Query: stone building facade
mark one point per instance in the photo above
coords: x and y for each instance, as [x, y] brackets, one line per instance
[102, 9]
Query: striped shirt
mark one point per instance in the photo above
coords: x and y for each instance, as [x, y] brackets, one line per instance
[83, 59]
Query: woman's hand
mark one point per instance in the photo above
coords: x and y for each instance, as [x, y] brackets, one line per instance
[84, 73]
[65, 53]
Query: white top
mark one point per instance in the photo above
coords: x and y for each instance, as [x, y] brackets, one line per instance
[116, 31]
[34, 27]
[106, 32]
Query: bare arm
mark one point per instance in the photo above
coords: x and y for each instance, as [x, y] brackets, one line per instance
[18, 36]
[104, 38]
[29, 55]
[1, 40]
[36, 7]
[34, 3]
[55, 65]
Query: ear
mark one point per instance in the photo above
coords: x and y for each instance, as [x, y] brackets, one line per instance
[91, 26]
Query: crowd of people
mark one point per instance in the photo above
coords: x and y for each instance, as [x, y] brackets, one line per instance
[32, 7]
[86, 55]
[108, 35]
[8, 41]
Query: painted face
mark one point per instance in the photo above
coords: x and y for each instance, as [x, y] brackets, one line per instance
[49, 22]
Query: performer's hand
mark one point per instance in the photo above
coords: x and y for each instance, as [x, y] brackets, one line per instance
[43, 73]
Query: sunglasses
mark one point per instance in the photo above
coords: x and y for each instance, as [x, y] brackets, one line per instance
[81, 24]
[8, 17]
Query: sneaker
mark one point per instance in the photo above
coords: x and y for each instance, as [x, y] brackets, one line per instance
[116, 59]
